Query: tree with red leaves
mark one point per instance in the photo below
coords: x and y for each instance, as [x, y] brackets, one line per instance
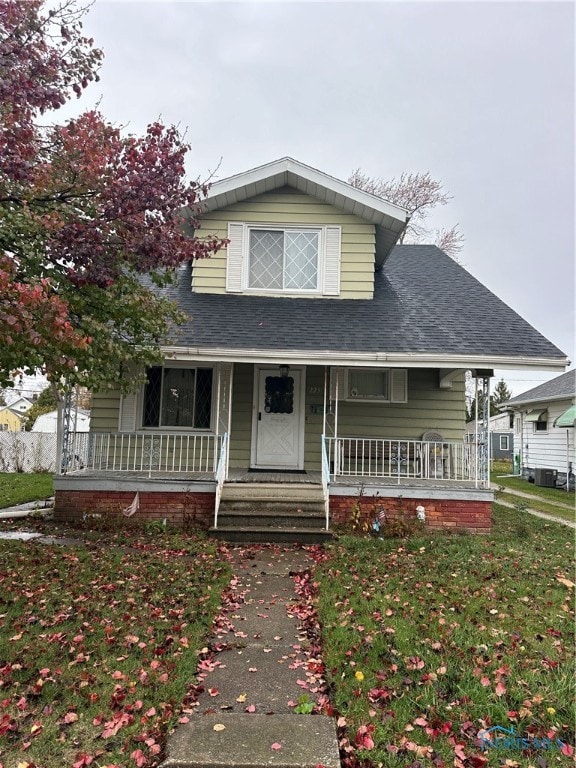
[85, 212]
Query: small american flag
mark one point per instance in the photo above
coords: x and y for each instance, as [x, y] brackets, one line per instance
[132, 508]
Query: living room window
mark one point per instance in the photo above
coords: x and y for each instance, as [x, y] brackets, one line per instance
[382, 385]
[178, 397]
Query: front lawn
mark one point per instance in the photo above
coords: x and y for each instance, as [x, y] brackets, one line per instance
[98, 645]
[430, 640]
[19, 487]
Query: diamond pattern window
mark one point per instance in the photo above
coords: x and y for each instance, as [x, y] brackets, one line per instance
[283, 260]
[178, 397]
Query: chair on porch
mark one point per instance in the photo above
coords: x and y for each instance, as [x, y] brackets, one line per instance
[435, 454]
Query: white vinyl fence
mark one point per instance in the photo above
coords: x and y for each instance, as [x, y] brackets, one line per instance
[27, 452]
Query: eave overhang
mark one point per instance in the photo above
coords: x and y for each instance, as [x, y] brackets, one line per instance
[359, 359]
[390, 220]
[533, 402]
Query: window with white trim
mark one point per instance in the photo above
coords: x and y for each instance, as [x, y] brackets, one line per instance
[178, 397]
[504, 443]
[283, 260]
[382, 385]
[280, 259]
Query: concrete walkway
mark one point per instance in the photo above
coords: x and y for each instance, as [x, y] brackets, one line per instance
[530, 497]
[244, 715]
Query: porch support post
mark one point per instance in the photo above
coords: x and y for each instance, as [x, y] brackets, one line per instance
[325, 399]
[223, 407]
[483, 427]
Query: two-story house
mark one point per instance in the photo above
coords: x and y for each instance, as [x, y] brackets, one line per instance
[322, 366]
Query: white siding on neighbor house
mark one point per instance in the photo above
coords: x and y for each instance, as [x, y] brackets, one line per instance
[548, 450]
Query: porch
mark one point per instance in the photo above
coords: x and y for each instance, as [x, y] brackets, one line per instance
[188, 478]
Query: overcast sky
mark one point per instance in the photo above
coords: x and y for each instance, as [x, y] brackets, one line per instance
[479, 94]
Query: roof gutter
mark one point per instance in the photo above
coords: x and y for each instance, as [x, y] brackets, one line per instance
[361, 359]
[523, 403]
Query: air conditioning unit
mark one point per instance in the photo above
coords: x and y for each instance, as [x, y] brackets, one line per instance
[545, 477]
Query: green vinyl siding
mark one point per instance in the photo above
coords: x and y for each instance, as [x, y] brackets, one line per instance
[288, 206]
[105, 411]
[428, 408]
[314, 418]
[241, 425]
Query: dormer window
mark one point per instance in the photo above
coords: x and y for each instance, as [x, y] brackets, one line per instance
[283, 259]
[287, 260]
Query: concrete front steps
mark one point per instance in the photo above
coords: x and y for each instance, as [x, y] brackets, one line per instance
[272, 513]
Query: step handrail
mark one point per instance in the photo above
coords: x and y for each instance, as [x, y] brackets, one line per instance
[326, 481]
[220, 475]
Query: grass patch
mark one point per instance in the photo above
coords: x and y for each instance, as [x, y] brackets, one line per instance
[17, 488]
[540, 506]
[99, 644]
[547, 494]
[552, 501]
[429, 640]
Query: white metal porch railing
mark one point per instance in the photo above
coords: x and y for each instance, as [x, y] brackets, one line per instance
[152, 452]
[221, 474]
[405, 459]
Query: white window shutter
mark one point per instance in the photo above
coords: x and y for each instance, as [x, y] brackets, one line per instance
[333, 238]
[128, 414]
[235, 258]
[398, 385]
[128, 410]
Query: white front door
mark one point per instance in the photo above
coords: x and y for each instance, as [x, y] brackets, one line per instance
[278, 420]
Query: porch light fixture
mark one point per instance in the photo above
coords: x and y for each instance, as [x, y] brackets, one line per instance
[284, 371]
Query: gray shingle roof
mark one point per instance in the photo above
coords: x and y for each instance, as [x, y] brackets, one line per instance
[424, 302]
[562, 386]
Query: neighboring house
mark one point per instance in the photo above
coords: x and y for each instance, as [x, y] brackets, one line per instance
[48, 422]
[322, 365]
[501, 436]
[11, 415]
[544, 430]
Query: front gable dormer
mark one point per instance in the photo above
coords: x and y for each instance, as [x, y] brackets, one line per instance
[295, 232]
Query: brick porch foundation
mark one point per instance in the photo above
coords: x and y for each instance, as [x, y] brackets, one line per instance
[179, 508]
[472, 516]
[197, 508]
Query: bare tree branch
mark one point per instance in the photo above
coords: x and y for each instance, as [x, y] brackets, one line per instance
[418, 193]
